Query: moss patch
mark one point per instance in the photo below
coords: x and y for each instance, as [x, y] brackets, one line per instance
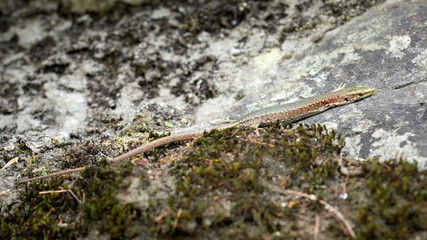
[233, 183]
[391, 202]
[62, 215]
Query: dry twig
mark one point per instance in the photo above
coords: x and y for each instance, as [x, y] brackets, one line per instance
[61, 191]
[327, 206]
[178, 215]
[14, 160]
[53, 174]
[316, 227]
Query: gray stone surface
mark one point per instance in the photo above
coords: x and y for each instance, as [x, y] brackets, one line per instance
[385, 48]
[66, 78]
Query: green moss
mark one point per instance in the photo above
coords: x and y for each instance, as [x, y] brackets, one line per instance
[41, 215]
[225, 185]
[392, 201]
[232, 183]
[5, 228]
[101, 209]
[222, 181]
[38, 218]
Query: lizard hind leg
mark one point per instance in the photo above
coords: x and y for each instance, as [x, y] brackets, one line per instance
[253, 123]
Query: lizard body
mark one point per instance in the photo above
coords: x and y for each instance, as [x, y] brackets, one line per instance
[290, 112]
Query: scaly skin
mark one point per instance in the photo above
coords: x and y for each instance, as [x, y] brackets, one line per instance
[290, 112]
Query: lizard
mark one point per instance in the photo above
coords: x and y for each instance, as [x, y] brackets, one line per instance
[287, 113]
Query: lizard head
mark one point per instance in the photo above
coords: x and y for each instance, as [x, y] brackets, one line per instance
[349, 95]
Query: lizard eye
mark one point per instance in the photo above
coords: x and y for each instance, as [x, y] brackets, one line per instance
[346, 99]
[324, 102]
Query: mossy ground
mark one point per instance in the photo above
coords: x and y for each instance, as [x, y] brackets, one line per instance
[233, 183]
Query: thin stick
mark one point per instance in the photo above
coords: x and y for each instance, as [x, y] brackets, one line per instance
[14, 160]
[53, 174]
[74, 195]
[340, 216]
[52, 191]
[61, 191]
[178, 215]
[316, 227]
[327, 206]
